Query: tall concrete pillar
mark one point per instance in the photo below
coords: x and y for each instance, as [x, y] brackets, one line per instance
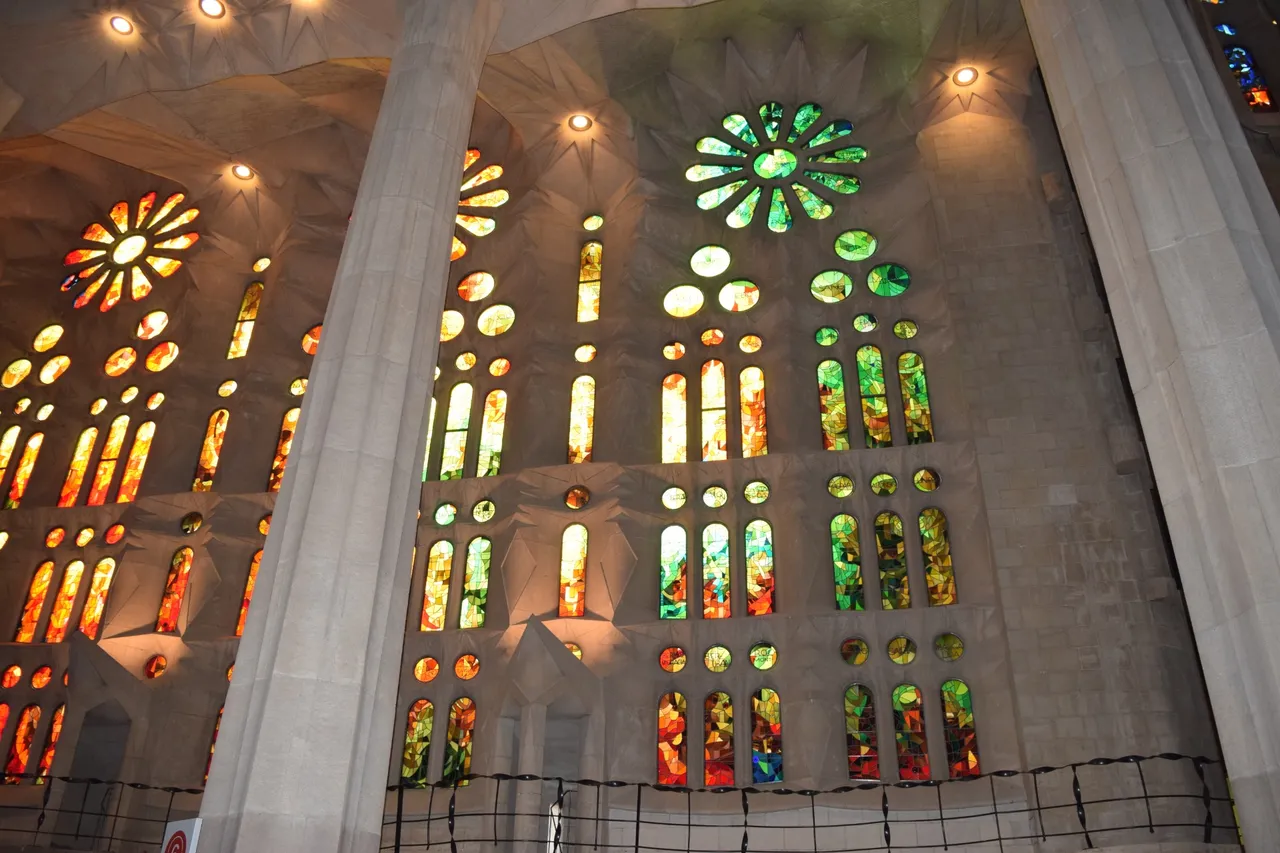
[530, 822]
[301, 763]
[1187, 238]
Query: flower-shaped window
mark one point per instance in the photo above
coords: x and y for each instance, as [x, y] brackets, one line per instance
[477, 226]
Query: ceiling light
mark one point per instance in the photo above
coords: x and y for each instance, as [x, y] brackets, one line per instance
[241, 171]
[965, 76]
[579, 122]
[121, 24]
[213, 8]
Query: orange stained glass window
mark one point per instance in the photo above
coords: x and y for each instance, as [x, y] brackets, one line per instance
[64, 602]
[163, 355]
[435, 596]
[493, 422]
[4, 717]
[50, 744]
[760, 584]
[211, 450]
[582, 419]
[673, 745]
[95, 602]
[288, 427]
[22, 475]
[717, 755]
[8, 443]
[462, 724]
[573, 571]
[20, 750]
[36, 595]
[248, 591]
[79, 464]
[213, 742]
[675, 424]
[417, 743]
[589, 282]
[174, 589]
[243, 332]
[715, 429]
[457, 422]
[755, 436]
[107, 462]
[137, 461]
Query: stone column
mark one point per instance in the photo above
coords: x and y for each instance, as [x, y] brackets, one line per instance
[1187, 239]
[301, 763]
[530, 822]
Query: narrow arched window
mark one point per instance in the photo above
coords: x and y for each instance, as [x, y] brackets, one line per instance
[79, 465]
[426, 451]
[915, 398]
[64, 602]
[435, 593]
[213, 742]
[475, 583]
[175, 587]
[288, 427]
[456, 423]
[958, 724]
[1252, 85]
[22, 474]
[4, 717]
[766, 736]
[493, 420]
[95, 603]
[589, 281]
[938, 573]
[20, 749]
[8, 444]
[875, 402]
[833, 407]
[908, 729]
[211, 450]
[50, 744]
[417, 744]
[573, 571]
[675, 419]
[673, 748]
[582, 419]
[249, 584]
[673, 584]
[891, 554]
[860, 732]
[715, 423]
[717, 752]
[759, 554]
[846, 562]
[243, 332]
[107, 461]
[457, 755]
[715, 572]
[755, 435]
[36, 594]
[137, 461]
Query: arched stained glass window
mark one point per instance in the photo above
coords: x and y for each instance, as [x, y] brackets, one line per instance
[962, 737]
[715, 572]
[875, 403]
[755, 435]
[1243, 67]
[36, 594]
[908, 728]
[435, 594]
[64, 602]
[675, 418]
[673, 748]
[4, 717]
[717, 754]
[475, 583]
[431, 426]
[457, 755]
[213, 742]
[833, 406]
[288, 427]
[493, 422]
[715, 424]
[589, 282]
[95, 603]
[249, 584]
[766, 736]
[915, 398]
[759, 553]
[136, 462]
[243, 332]
[938, 573]
[573, 571]
[846, 562]
[673, 585]
[22, 474]
[456, 423]
[417, 744]
[51, 744]
[20, 749]
[8, 444]
[582, 419]
[175, 587]
[211, 450]
[79, 465]
[107, 461]
[860, 732]
[891, 554]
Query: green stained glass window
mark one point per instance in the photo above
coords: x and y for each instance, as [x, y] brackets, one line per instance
[717, 659]
[774, 163]
[843, 184]
[826, 336]
[756, 492]
[846, 561]
[779, 212]
[948, 647]
[417, 744]
[915, 398]
[902, 650]
[457, 422]
[435, 593]
[673, 573]
[493, 420]
[891, 554]
[855, 651]
[712, 145]
[806, 116]
[745, 210]
[831, 133]
[759, 559]
[766, 736]
[865, 323]
[710, 261]
[852, 154]
[715, 572]
[840, 486]
[909, 734]
[875, 404]
[717, 764]
[888, 280]
[814, 207]
[830, 286]
[445, 514]
[457, 756]
[856, 245]
[715, 496]
[926, 480]
[906, 329]
[763, 656]
[860, 733]
[884, 485]
[713, 198]
[938, 573]
[706, 173]
[958, 724]
[484, 510]
[475, 584]
[738, 125]
[831, 399]
[771, 118]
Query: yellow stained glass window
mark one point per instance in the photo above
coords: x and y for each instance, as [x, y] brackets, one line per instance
[64, 602]
[417, 744]
[582, 418]
[755, 435]
[589, 281]
[242, 335]
[151, 325]
[53, 368]
[496, 320]
[451, 325]
[573, 571]
[79, 464]
[211, 450]
[247, 598]
[435, 595]
[36, 595]
[22, 474]
[47, 338]
[475, 583]
[175, 588]
[457, 422]
[311, 340]
[20, 749]
[136, 462]
[107, 462]
[675, 426]
[8, 443]
[493, 420]
[715, 430]
[287, 429]
[95, 602]
[163, 355]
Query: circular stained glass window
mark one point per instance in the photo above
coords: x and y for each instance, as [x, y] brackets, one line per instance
[864, 323]
[682, 301]
[710, 261]
[465, 361]
[496, 320]
[475, 287]
[227, 388]
[151, 325]
[55, 537]
[673, 498]
[499, 366]
[84, 536]
[11, 676]
[750, 343]
[756, 492]
[883, 485]
[888, 280]
[593, 222]
[577, 497]
[128, 394]
[673, 351]
[311, 340]
[739, 296]
[298, 387]
[672, 659]
[467, 667]
[840, 486]
[426, 669]
[484, 511]
[763, 656]
[902, 650]
[162, 356]
[114, 534]
[906, 329]
[826, 336]
[715, 496]
[155, 667]
[584, 353]
[712, 337]
[775, 163]
[574, 649]
[264, 524]
[445, 514]
[56, 366]
[926, 480]
[856, 245]
[948, 647]
[15, 372]
[831, 286]
[717, 659]
[191, 522]
[854, 651]
[451, 325]
[46, 338]
[41, 677]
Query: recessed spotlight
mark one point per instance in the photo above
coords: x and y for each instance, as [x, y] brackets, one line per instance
[579, 122]
[121, 24]
[965, 76]
[213, 8]
[241, 171]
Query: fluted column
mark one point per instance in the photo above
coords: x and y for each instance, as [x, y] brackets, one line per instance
[301, 763]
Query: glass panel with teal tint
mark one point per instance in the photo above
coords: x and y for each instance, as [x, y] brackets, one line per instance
[915, 398]
[938, 573]
[417, 744]
[843, 184]
[475, 584]
[962, 737]
[831, 133]
[766, 736]
[846, 560]
[673, 574]
[834, 411]
[875, 405]
[805, 118]
[739, 127]
[457, 422]
[779, 212]
[891, 553]
[492, 423]
[741, 215]
[715, 572]
[908, 729]
[457, 755]
[760, 587]
[860, 733]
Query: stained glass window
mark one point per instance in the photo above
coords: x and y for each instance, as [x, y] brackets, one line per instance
[962, 738]
[96, 601]
[755, 439]
[417, 744]
[36, 594]
[426, 451]
[243, 332]
[766, 736]
[475, 583]
[673, 574]
[211, 450]
[675, 429]
[249, 584]
[936, 545]
[1256, 92]
[435, 595]
[891, 553]
[22, 474]
[79, 464]
[288, 427]
[573, 571]
[456, 423]
[833, 407]
[457, 756]
[589, 282]
[20, 750]
[107, 461]
[64, 602]
[51, 744]
[717, 756]
[846, 561]
[875, 404]
[715, 572]
[175, 587]
[493, 421]
[582, 417]
[8, 443]
[213, 741]
[908, 728]
[915, 398]
[715, 429]
[759, 551]
[136, 463]
[860, 732]
[673, 748]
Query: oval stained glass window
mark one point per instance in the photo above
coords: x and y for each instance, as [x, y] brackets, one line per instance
[298, 387]
[854, 651]
[584, 353]
[888, 280]
[17, 371]
[55, 537]
[467, 667]
[593, 222]
[12, 675]
[750, 343]
[264, 524]
[717, 659]
[151, 325]
[840, 486]
[715, 496]
[191, 522]
[426, 669]
[484, 510]
[756, 492]
[883, 485]
[831, 286]
[41, 677]
[496, 320]
[738, 296]
[46, 338]
[129, 394]
[673, 351]
[577, 497]
[451, 325]
[856, 245]
[311, 340]
[674, 498]
[154, 401]
[155, 666]
[906, 329]
[902, 650]
[162, 356]
[445, 514]
[764, 656]
[683, 301]
[948, 647]
[120, 361]
[712, 337]
[227, 388]
[476, 286]
[465, 361]
[926, 480]
[710, 261]
[53, 368]
[499, 366]
[826, 336]
[864, 323]
[672, 659]
[114, 534]
[84, 536]
[42, 413]
[97, 406]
